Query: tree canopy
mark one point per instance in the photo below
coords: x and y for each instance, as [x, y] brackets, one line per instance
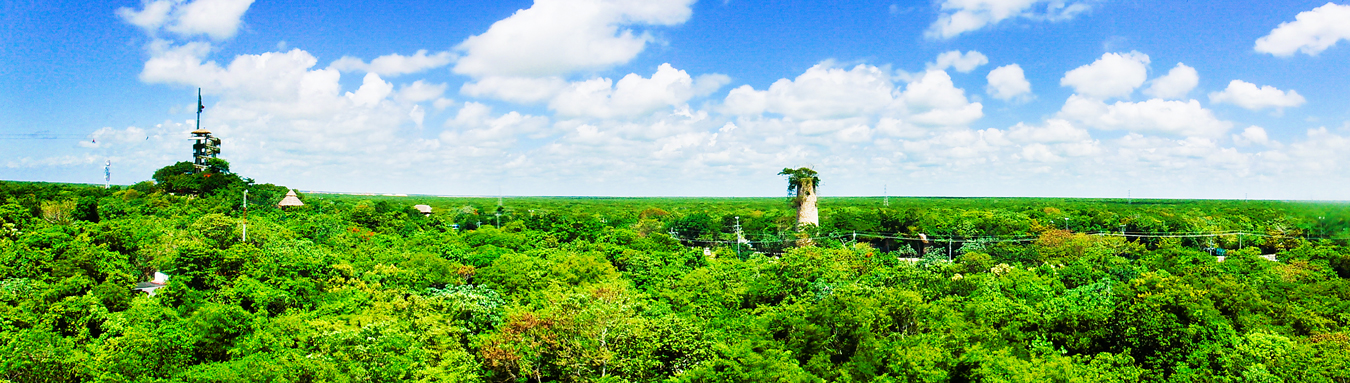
[366, 288]
[184, 177]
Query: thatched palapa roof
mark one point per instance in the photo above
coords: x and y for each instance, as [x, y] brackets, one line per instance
[290, 200]
[424, 209]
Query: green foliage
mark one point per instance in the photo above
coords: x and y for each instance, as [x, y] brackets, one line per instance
[362, 288]
[801, 182]
[184, 177]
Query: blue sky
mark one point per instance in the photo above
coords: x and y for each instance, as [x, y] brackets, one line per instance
[674, 97]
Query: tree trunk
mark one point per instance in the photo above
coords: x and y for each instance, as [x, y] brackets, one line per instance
[806, 212]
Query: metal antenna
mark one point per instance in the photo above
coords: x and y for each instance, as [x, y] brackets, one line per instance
[107, 174]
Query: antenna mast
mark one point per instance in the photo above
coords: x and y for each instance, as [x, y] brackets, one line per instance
[206, 145]
[107, 173]
[887, 199]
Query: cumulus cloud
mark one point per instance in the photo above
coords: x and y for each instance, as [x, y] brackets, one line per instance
[633, 95]
[523, 90]
[826, 92]
[1112, 75]
[963, 63]
[1183, 118]
[394, 64]
[961, 16]
[1008, 82]
[557, 37]
[1311, 32]
[478, 130]
[286, 120]
[420, 91]
[1176, 84]
[934, 101]
[373, 90]
[1253, 135]
[218, 19]
[1250, 97]
[822, 92]
[1054, 131]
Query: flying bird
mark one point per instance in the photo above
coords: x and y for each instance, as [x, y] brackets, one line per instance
[161, 280]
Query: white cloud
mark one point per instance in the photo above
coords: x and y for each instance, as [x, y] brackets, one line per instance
[835, 106]
[218, 19]
[558, 37]
[1008, 82]
[1113, 75]
[523, 90]
[442, 103]
[1254, 135]
[1055, 131]
[1311, 32]
[745, 100]
[822, 92]
[287, 121]
[478, 131]
[960, 16]
[825, 92]
[1176, 84]
[934, 101]
[1184, 118]
[633, 95]
[151, 17]
[963, 63]
[394, 64]
[1322, 154]
[420, 91]
[895, 127]
[373, 90]
[1250, 97]
[418, 115]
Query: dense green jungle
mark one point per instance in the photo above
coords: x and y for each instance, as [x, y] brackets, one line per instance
[535, 289]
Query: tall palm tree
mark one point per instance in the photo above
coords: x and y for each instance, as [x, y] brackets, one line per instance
[802, 183]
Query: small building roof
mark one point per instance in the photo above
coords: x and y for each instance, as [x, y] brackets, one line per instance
[425, 209]
[290, 200]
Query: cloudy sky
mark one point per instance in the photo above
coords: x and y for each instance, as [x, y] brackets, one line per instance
[1095, 98]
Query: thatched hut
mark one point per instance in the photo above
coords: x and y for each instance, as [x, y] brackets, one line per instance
[424, 209]
[290, 200]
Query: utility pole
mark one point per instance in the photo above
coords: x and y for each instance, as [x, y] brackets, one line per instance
[1321, 226]
[245, 215]
[739, 237]
[1066, 223]
[886, 199]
